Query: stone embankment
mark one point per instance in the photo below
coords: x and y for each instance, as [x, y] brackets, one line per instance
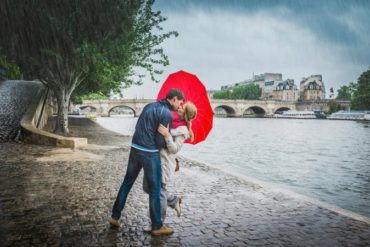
[24, 110]
[15, 97]
[63, 197]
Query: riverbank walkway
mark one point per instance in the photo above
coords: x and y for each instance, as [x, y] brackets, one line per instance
[63, 197]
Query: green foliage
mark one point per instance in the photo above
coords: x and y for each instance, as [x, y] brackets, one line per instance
[12, 70]
[250, 92]
[91, 96]
[222, 94]
[358, 93]
[99, 44]
[361, 93]
[345, 92]
[81, 47]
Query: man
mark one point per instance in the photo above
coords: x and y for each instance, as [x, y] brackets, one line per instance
[144, 153]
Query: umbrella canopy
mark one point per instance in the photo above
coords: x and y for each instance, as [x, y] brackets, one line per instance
[194, 91]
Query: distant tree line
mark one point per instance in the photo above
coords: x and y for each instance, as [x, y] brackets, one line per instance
[358, 93]
[92, 96]
[250, 91]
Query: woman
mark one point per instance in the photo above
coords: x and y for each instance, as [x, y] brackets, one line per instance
[175, 138]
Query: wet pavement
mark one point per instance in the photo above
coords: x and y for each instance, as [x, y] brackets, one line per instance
[63, 197]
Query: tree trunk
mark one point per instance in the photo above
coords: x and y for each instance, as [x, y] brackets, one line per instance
[63, 98]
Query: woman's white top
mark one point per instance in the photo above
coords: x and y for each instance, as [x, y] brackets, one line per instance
[174, 144]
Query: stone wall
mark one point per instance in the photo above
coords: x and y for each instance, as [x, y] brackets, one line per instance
[322, 105]
[15, 97]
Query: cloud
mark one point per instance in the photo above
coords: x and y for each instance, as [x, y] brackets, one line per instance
[224, 45]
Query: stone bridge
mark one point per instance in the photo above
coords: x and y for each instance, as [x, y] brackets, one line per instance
[238, 108]
[233, 108]
[104, 107]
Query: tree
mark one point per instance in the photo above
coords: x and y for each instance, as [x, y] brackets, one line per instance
[250, 91]
[344, 93]
[91, 46]
[92, 96]
[222, 94]
[361, 95]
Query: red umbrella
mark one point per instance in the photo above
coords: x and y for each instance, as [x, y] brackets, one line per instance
[194, 91]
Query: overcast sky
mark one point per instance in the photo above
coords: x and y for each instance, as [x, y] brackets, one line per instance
[226, 41]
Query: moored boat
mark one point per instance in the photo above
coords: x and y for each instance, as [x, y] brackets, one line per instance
[300, 114]
[350, 115]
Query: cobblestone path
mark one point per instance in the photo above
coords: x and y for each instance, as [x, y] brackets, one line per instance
[59, 197]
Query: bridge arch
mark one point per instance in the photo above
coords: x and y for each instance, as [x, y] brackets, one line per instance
[280, 109]
[230, 112]
[254, 111]
[125, 109]
[88, 108]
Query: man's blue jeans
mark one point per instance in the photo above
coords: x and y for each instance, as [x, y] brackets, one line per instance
[151, 163]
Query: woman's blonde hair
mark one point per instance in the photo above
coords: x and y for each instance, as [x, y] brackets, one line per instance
[190, 112]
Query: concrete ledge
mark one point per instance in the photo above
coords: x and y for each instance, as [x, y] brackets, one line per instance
[41, 137]
[31, 134]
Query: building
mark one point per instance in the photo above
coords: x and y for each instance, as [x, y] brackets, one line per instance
[266, 81]
[285, 90]
[312, 88]
[272, 85]
[231, 86]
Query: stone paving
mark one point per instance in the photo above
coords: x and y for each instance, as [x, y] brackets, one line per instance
[60, 197]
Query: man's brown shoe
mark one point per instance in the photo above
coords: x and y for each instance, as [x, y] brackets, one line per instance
[164, 230]
[114, 223]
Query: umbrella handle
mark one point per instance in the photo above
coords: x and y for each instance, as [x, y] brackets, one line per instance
[177, 165]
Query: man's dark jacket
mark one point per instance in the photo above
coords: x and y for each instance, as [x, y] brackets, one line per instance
[146, 131]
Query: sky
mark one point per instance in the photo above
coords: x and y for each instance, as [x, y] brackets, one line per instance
[227, 41]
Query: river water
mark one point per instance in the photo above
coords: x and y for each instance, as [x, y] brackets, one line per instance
[324, 159]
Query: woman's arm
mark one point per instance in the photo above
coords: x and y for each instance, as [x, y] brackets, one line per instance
[173, 145]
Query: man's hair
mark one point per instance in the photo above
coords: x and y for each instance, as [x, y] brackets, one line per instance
[174, 92]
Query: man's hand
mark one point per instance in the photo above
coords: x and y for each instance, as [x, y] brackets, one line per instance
[164, 131]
